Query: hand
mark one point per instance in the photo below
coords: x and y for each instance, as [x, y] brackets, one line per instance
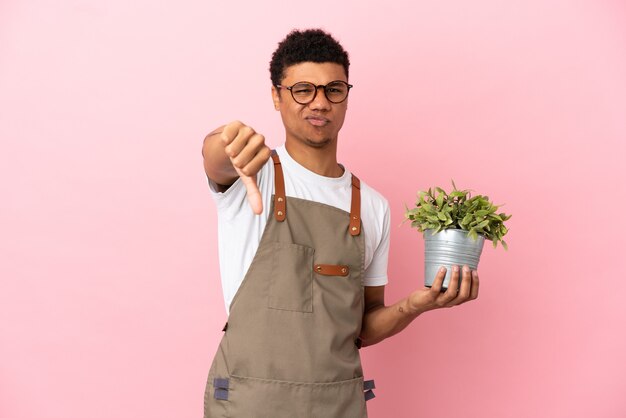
[426, 299]
[248, 154]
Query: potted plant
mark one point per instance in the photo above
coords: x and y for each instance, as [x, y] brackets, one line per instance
[455, 226]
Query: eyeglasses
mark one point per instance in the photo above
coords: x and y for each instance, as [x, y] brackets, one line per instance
[305, 92]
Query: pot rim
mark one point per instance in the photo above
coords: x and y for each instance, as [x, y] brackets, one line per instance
[458, 230]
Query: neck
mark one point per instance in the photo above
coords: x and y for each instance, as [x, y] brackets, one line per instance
[322, 161]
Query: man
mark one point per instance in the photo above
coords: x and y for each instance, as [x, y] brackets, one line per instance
[304, 263]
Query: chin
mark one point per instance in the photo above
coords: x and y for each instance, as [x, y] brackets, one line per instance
[318, 143]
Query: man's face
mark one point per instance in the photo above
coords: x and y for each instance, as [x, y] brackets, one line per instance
[316, 124]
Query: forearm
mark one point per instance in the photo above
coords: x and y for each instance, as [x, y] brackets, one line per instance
[380, 321]
[384, 321]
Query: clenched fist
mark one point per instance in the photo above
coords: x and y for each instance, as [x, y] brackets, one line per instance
[248, 154]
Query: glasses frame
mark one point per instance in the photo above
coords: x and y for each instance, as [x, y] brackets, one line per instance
[324, 86]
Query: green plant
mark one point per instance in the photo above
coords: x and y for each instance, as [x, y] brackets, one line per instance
[438, 210]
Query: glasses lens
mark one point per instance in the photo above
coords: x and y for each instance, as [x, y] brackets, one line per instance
[303, 92]
[337, 91]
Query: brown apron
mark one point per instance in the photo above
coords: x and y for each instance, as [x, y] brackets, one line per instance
[291, 347]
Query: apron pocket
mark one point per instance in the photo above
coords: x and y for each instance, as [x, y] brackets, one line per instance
[291, 281]
[338, 399]
[266, 398]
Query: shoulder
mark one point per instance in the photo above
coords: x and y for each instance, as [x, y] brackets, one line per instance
[372, 199]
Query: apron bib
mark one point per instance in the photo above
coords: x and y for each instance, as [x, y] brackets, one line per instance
[290, 347]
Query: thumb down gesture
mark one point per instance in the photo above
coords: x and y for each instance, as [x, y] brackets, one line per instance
[248, 154]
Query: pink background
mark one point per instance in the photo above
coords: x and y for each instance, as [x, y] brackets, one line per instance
[110, 300]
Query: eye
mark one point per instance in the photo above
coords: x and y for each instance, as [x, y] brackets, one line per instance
[302, 89]
[336, 88]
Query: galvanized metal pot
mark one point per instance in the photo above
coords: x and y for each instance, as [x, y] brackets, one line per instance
[447, 248]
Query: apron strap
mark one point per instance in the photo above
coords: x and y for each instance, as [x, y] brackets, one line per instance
[280, 204]
[280, 201]
[355, 207]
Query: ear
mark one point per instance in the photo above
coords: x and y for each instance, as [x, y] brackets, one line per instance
[276, 98]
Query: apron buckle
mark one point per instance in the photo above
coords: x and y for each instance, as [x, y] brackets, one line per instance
[368, 385]
[221, 389]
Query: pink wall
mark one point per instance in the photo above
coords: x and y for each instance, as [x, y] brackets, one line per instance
[110, 302]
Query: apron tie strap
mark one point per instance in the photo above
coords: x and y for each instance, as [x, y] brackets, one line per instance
[355, 207]
[280, 202]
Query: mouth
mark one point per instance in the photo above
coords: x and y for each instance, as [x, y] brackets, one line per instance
[317, 120]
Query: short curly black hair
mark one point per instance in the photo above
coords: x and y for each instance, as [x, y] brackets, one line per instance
[310, 45]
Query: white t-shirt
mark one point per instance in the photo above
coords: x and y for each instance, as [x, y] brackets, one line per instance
[240, 230]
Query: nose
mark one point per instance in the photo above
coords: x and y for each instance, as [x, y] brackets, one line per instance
[320, 102]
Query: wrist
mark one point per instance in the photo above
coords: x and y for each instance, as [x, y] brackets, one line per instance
[410, 308]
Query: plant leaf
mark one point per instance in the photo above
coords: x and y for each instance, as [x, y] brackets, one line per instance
[439, 200]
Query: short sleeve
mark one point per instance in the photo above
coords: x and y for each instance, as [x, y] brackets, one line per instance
[376, 272]
[233, 201]
[229, 202]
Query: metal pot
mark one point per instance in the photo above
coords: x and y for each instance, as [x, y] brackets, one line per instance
[447, 248]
